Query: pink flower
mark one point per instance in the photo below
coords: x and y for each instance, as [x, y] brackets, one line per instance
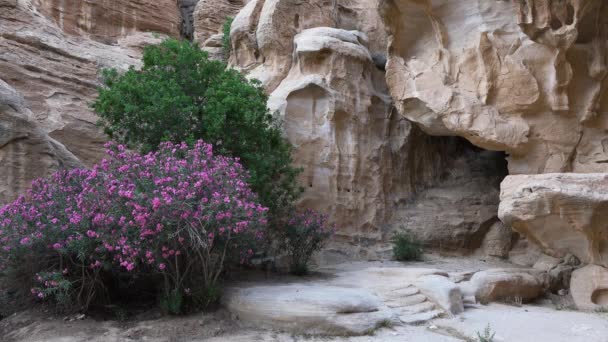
[156, 203]
[162, 266]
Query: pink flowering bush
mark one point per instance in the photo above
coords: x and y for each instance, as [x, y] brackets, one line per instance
[179, 214]
[303, 235]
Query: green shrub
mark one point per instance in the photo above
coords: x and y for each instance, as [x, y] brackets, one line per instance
[406, 247]
[303, 235]
[181, 95]
[226, 44]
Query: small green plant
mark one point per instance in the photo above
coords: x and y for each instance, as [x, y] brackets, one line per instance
[487, 335]
[602, 309]
[226, 44]
[406, 247]
[303, 235]
[172, 302]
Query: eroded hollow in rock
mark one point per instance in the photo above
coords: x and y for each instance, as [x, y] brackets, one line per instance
[454, 212]
[600, 297]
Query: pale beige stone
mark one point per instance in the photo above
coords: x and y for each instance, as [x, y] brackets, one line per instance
[308, 309]
[523, 77]
[589, 287]
[503, 285]
[562, 213]
[107, 21]
[57, 74]
[498, 240]
[210, 15]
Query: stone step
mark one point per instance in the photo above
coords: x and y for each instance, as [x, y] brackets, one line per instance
[411, 300]
[420, 317]
[402, 292]
[469, 300]
[418, 308]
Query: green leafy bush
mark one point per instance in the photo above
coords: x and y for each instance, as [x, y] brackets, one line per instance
[303, 235]
[181, 95]
[406, 247]
[226, 44]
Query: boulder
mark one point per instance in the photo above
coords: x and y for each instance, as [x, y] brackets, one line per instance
[498, 241]
[308, 309]
[589, 287]
[561, 213]
[442, 291]
[503, 285]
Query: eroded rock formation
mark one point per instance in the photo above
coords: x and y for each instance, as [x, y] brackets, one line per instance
[525, 77]
[108, 21]
[55, 71]
[323, 63]
[562, 213]
[210, 16]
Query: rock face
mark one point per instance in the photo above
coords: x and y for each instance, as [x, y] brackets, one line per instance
[372, 170]
[210, 15]
[525, 77]
[26, 151]
[305, 309]
[589, 287]
[562, 213]
[503, 285]
[55, 74]
[108, 21]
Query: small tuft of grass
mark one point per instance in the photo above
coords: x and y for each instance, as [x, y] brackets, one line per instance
[487, 335]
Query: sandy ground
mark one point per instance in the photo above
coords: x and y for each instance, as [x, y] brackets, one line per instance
[538, 322]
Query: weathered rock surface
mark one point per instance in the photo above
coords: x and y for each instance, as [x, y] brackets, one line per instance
[562, 213]
[498, 240]
[210, 16]
[589, 287]
[525, 77]
[56, 74]
[26, 151]
[363, 163]
[106, 21]
[503, 284]
[308, 309]
[443, 291]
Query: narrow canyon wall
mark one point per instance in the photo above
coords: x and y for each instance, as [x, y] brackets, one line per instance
[51, 54]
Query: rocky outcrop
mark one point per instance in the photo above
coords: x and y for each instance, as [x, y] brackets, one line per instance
[562, 213]
[363, 163]
[589, 288]
[503, 285]
[303, 309]
[26, 151]
[108, 21]
[56, 75]
[525, 77]
[210, 15]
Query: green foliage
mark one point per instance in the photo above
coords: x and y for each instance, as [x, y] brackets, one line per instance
[406, 247]
[487, 335]
[226, 44]
[172, 302]
[181, 95]
[302, 235]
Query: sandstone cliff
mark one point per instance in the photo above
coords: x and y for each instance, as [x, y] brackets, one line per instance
[51, 53]
[402, 112]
